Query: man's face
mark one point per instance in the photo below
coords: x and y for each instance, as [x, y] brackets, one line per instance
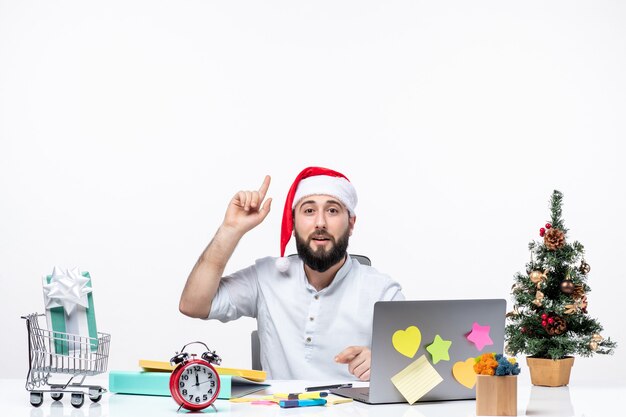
[322, 228]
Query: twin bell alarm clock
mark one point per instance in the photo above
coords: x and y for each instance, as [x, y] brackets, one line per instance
[194, 383]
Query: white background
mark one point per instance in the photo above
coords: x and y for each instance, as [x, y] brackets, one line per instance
[126, 127]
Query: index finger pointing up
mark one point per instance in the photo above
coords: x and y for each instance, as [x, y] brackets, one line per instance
[264, 187]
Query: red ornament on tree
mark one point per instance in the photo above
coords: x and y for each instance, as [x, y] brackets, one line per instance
[544, 323]
[542, 232]
[550, 320]
[548, 225]
[544, 316]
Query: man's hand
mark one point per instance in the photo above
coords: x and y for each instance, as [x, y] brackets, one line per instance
[359, 360]
[246, 209]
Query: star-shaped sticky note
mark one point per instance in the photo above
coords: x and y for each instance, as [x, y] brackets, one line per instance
[480, 336]
[439, 349]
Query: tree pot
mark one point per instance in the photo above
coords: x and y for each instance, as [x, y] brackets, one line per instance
[550, 372]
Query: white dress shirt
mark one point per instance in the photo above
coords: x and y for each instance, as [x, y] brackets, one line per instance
[301, 330]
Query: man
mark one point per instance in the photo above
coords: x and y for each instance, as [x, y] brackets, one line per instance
[314, 312]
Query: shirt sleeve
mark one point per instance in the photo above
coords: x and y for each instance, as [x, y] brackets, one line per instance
[236, 296]
[392, 292]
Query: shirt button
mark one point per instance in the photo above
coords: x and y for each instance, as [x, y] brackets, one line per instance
[311, 318]
[308, 340]
[317, 297]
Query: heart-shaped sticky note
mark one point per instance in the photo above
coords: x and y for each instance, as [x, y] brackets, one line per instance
[407, 341]
[464, 373]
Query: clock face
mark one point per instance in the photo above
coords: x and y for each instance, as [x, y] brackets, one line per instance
[198, 384]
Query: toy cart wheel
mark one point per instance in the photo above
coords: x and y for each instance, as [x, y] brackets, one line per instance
[56, 396]
[95, 394]
[78, 398]
[36, 398]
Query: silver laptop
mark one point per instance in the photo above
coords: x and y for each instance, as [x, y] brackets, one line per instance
[452, 320]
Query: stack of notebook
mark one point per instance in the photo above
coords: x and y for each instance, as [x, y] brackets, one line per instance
[154, 379]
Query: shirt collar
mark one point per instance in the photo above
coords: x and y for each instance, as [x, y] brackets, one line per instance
[340, 275]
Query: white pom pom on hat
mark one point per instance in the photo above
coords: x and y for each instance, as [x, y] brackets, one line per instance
[313, 181]
[282, 264]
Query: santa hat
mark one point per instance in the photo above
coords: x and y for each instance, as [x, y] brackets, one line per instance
[313, 181]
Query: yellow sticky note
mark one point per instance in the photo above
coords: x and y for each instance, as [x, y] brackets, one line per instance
[252, 399]
[407, 342]
[416, 380]
[335, 399]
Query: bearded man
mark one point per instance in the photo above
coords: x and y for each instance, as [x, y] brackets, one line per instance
[314, 312]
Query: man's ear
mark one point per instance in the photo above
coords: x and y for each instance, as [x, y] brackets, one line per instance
[352, 220]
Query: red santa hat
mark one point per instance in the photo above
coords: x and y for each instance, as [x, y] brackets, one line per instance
[313, 181]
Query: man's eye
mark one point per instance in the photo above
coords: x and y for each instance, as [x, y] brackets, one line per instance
[308, 211]
[333, 210]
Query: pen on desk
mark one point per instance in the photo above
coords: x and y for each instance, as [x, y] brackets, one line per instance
[301, 403]
[325, 387]
[302, 395]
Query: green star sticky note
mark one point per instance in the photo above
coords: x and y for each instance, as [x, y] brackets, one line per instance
[439, 349]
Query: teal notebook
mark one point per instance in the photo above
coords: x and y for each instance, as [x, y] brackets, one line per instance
[158, 383]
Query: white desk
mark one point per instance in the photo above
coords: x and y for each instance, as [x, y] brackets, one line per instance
[580, 401]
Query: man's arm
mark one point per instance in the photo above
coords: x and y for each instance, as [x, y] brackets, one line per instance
[245, 211]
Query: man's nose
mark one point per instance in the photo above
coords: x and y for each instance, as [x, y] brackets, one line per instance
[320, 220]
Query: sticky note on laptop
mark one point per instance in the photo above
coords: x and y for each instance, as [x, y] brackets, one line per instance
[416, 380]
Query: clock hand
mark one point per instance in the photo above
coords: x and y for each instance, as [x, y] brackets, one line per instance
[197, 380]
[204, 382]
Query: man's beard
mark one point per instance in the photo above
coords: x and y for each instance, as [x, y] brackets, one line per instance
[320, 260]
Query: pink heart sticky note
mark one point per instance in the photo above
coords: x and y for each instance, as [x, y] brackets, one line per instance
[480, 336]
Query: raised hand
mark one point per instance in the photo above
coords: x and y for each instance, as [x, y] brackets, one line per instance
[247, 210]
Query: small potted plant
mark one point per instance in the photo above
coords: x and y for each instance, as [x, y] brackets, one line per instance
[496, 385]
[550, 321]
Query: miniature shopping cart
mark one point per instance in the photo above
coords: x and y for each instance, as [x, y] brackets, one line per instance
[52, 352]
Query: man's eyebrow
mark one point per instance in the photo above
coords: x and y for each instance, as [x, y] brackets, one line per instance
[334, 202]
[337, 202]
[307, 202]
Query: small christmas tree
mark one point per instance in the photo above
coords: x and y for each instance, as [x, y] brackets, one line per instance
[550, 317]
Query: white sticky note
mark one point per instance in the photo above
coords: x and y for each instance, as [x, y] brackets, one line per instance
[416, 380]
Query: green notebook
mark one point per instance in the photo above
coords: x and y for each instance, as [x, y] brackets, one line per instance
[158, 383]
